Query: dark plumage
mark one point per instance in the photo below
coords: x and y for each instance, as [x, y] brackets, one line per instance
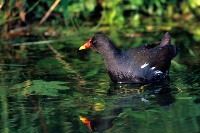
[145, 64]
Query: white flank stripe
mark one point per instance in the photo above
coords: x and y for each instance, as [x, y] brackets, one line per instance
[158, 72]
[145, 64]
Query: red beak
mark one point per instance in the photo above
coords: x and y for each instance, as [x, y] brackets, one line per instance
[86, 45]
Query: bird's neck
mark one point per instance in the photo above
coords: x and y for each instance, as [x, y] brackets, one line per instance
[109, 52]
[110, 58]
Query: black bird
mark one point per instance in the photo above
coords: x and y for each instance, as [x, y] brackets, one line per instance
[146, 64]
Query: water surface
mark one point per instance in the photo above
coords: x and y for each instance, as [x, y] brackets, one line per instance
[55, 88]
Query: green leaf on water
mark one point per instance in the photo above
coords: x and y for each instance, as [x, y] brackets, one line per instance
[119, 123]
[154, 111]
[92, 72]
[49, 62]
[139, 115]
[191, 52]
[60, 71]
[125, 112]
[41, 87]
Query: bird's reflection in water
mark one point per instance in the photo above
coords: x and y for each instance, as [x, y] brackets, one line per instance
[134, 96]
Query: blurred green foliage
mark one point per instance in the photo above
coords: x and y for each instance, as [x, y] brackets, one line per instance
[101, 15]
[70, 17]
[112, 13]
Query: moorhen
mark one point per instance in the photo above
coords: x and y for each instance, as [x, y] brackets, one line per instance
[146, 64]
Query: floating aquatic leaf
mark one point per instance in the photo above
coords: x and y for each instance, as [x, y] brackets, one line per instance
[93, 72]
[155, 111]
[119, 123]
[49, 62]
[59, 71]
[126, 111]
[191, 52]
[41, 87]
[140, 115]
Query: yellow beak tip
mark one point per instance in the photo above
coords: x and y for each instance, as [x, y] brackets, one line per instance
[82, 47]
[82, 118]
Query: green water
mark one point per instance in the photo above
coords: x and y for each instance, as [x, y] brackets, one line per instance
[49, 87]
